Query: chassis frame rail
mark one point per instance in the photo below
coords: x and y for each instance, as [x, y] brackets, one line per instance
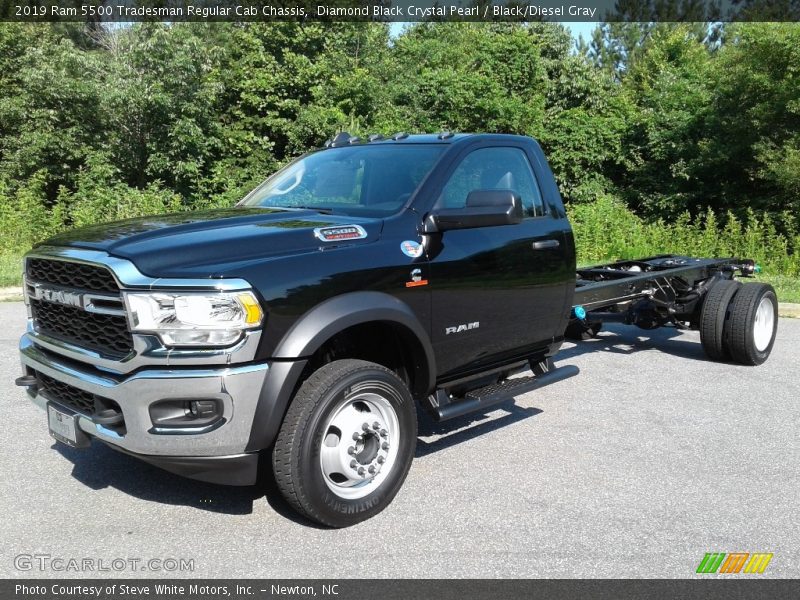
[665, 279]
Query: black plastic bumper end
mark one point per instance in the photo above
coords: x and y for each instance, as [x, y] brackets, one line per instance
[237, 469]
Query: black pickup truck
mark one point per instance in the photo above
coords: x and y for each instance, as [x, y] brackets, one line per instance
[305, 325]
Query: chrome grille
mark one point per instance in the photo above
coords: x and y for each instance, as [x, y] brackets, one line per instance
[71, 275]
[106, 334]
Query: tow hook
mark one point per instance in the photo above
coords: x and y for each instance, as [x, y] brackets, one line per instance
[107, 417]
[27, 381]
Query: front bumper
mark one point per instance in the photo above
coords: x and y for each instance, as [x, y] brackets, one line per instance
[238, 469]
[202, 453]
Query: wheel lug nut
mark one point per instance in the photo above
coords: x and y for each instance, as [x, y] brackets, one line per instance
[376, 425]
[365, 427]
[371, 470]
[361, 471]
[384, 433]
[356, 436]
[351, 450]
[353, 464]
[385, 445]
[381, 460]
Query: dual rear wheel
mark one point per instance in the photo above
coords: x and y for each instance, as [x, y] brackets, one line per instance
[738, 322]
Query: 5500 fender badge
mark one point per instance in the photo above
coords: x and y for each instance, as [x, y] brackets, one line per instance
[340, 233]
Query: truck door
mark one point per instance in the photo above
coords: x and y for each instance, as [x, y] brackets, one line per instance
[497, 292]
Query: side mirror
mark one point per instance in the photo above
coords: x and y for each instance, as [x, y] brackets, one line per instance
[484, 208]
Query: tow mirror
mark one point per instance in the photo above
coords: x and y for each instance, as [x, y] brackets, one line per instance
[484, 208]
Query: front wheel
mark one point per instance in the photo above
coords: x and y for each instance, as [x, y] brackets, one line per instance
[346, 444]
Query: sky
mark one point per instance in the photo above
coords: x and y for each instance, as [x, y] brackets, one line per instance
[577, 29]
[584, 29]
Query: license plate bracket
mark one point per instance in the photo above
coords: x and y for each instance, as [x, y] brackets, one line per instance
[64, 427]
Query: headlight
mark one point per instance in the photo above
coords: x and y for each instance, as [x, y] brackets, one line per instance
[194, 319]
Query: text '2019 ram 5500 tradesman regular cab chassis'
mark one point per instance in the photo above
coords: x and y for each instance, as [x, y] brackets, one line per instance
[306, 324]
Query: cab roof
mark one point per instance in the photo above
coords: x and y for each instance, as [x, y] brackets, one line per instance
[445, 137]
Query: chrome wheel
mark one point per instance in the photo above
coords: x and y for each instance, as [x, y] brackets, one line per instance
[764, 324]
[359, 445]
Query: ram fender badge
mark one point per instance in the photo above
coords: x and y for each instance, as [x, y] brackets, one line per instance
[462, 327]
[411, 248]
[339, 233]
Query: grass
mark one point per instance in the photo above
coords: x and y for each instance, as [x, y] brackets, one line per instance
[787, 288]
[10, 270]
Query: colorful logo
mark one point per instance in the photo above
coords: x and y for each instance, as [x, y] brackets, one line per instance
[416, 279]
[720, 562]
[411, 248]
[336, 234]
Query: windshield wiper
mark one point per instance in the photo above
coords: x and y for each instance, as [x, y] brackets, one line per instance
[319, 209]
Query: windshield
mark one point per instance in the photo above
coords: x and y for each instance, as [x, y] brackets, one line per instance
[370, 181]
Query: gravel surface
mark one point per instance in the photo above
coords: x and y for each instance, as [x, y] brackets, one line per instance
[637, 467]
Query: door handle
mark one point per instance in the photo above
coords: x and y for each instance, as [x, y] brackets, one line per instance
[545, 244]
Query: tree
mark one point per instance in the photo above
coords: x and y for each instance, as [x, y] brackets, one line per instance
[750, 153]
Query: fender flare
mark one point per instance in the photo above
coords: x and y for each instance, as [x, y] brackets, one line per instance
[309, 333]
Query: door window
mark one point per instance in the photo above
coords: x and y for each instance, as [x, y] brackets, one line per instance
[494, 169]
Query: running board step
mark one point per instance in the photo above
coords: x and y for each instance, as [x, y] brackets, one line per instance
[490, 395]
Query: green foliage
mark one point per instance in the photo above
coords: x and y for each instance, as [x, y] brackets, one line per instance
[607, 230]
[715, 125]
[99, 192]
[752, 136]
[469, 77]
[24, 218]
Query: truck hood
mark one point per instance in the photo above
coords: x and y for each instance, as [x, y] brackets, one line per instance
[209, 243]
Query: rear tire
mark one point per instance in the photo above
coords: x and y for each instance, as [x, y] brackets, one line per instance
[713, 316]
[753, 323]
[346, 444]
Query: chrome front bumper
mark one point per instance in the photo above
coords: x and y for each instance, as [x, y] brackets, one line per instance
[237, 387]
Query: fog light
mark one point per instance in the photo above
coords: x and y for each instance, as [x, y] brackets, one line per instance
[203, 408]
[177, 414]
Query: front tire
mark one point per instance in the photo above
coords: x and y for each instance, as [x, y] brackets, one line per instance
[346, 444]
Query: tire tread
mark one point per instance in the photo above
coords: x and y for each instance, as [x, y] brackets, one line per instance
[713, 317]
[739, 329]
